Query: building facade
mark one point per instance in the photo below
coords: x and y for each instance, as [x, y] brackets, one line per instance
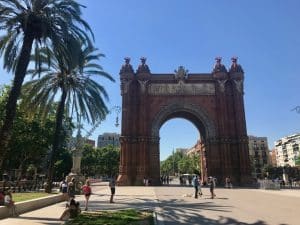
[90, 142]
[259, 154]
[108, 139]
[287, 150]
[182, 150]
[273, 157]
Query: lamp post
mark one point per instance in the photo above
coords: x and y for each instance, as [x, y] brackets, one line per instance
[76, 148]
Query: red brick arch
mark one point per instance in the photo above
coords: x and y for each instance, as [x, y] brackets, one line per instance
[212, 102]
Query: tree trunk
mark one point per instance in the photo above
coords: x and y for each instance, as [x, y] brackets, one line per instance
[11, 105]
[56, 140]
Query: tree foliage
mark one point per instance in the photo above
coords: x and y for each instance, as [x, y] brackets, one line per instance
[31, 140]
[179, 163]
[29, 24]
[71, 81]
[100, 161]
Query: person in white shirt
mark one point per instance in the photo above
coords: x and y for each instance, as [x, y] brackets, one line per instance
[8, 201]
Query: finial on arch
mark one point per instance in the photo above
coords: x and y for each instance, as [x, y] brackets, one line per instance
[235, 67]
[219, 67]
[143, 67]
[126, 67]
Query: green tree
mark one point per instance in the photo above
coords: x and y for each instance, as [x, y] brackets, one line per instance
[189, 164]
[100, 161]
[31, 139]
[110, 160]
[166, 167]
[27, 24]
[170, 165]
[89, 161]
[63, 164]
[180, 163]
[71, 81]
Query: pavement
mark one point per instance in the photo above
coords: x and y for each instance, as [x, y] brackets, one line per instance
[175, 205]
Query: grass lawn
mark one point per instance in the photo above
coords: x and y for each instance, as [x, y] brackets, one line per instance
[122, 217]
[20, 197]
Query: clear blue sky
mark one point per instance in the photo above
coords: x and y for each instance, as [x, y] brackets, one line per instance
[265, 35]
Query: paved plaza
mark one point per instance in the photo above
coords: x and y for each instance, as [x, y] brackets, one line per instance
[231, 206]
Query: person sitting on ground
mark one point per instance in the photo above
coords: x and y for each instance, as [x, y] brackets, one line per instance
[72, 210]
[8, 201]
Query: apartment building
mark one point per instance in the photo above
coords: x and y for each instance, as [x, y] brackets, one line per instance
[259, 154]
[108, 139]
[287, 150]
[273, 157]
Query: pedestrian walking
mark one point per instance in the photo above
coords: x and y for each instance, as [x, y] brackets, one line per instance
[64, 189]
[196, 185]
[212, 185]
[199, 187]
[87, 191]
[228, 183]
[112, 185]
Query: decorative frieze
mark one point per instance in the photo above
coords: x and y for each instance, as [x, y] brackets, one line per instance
[131, 139]
[181, 88]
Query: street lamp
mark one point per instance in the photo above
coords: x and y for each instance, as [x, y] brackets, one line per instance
[117, 109]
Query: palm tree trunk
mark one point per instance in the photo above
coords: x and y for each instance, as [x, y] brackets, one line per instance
[56, 139]
[11, 105]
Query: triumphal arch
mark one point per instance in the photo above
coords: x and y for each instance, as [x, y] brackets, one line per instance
[213, 102]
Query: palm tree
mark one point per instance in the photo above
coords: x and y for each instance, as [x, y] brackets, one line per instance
[31, 24]
[78, 92]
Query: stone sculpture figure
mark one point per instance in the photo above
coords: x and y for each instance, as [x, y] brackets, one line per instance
[235, 67]
[181, 73]
[143, 67]
[126, 68]
[219, 67]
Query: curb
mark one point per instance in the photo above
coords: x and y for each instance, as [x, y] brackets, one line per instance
[30, 205]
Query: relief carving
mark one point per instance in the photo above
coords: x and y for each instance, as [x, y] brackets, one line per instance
[143, 85]
[181, 88]
[222, 85]
[181, 73]
[239, 85]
